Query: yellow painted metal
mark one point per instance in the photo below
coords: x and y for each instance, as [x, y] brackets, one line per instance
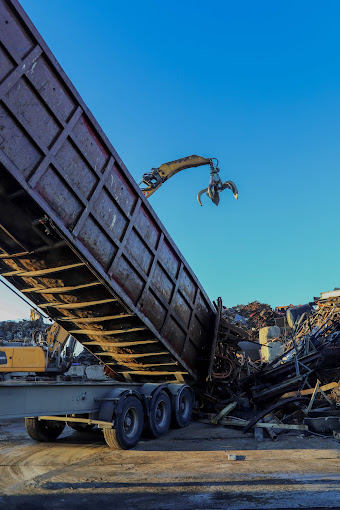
[309, 391]
[43, 272]
[71, 419]
[167, 170]
[97, 332]
[74, 306]
[24, 359]
[55, 335]
[33, 358]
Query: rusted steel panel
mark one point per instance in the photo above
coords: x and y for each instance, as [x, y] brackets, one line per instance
[76, 232]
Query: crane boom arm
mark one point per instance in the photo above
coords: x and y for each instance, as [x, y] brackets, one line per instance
[157, 176]
[167, 170]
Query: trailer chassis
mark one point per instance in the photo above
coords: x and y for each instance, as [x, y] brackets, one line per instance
[122, 410]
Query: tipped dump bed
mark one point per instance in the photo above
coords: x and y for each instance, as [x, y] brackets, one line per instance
[77, 236]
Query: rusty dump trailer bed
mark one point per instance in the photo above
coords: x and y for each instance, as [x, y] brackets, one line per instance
[77, 236]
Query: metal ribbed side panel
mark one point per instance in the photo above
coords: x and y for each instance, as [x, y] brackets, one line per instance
[117, 257]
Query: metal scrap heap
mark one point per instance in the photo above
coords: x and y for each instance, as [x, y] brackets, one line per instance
[21, 331]
[251, 317]
[313, 345]
[295, 385]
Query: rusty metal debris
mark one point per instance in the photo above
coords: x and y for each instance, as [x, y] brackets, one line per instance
[251, 317]
[21, 331]
[297, 369]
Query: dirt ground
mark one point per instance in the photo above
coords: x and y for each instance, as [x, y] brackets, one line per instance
[186, 469]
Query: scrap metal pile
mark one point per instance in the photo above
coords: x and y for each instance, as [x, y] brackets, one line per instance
[251, 317]
[21, 331]
[294, 383]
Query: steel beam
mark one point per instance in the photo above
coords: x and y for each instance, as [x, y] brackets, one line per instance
[32, 399]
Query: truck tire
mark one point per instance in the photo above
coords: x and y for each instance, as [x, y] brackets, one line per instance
[183, 409]
[160, 415]
[129, 425]
[43, 430]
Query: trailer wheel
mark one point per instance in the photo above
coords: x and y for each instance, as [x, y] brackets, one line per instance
[128, 425]
[43, 430]
[183, 409]
[160, 416]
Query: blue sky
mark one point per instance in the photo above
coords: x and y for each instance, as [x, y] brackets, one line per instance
[255, 84]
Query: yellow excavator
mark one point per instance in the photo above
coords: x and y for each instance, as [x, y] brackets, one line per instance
[154, 179]
[44, 353]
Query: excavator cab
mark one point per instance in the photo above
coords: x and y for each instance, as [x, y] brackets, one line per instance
[154, 179]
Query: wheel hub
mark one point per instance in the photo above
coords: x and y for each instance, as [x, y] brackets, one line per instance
[158, 414]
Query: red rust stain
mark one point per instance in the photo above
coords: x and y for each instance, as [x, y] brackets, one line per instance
[95, 137]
